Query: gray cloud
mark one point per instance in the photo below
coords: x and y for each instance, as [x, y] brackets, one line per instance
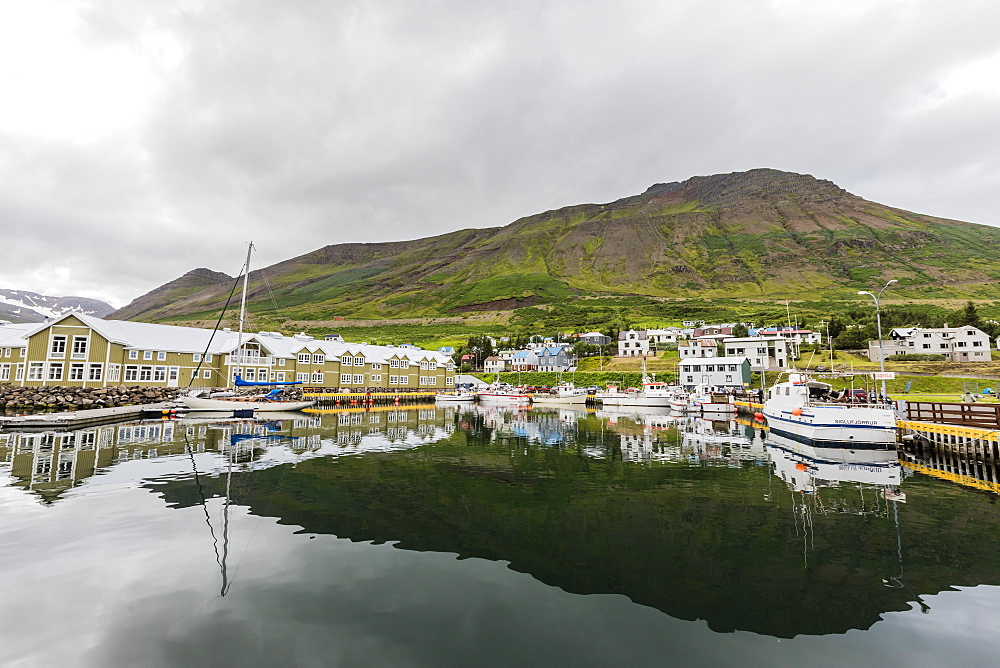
[300, 125]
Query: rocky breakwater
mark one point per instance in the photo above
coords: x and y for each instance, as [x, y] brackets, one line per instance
[56, 397]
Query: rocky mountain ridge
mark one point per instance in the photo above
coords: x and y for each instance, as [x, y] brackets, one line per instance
[27, 306]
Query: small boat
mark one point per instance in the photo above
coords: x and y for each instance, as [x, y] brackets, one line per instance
[807, 410]
[564, 394]
[451, 397]
[707, 401]
[262, 402]
[230, 401]
[504, 394]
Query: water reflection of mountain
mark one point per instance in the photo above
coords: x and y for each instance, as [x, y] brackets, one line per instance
[719, 543]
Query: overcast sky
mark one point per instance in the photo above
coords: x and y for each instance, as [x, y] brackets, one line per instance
[141, 139]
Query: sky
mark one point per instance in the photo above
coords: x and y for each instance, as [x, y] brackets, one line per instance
[140, 139]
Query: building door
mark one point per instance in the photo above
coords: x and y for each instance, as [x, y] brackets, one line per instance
[173, 376]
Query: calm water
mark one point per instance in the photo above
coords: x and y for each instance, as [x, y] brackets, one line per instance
[467, 537]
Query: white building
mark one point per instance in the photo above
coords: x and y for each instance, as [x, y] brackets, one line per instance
[764, 353]
[632, 343]
[957, 344]
[697, 348]
[717, 372]
[658, 337]
[494, 364]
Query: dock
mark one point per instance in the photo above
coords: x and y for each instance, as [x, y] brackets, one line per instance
[83, 419]
[368, 398]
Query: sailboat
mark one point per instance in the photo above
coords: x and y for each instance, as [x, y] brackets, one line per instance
[269, 401]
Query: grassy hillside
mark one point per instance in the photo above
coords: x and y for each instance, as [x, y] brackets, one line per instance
[762, 234]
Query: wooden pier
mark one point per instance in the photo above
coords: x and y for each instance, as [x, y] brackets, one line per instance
[969, 456]
[968, 414]
[82, 419]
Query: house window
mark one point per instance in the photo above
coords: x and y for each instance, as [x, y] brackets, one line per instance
[302, 377]
[19, 374]
[196, 357]
[76, 371]
[977, 344]
[376, 378]
[35, 370]
[206, 374]
[208, 358]
[317, 377]
[251, 374]
[96, 371]
[160, 374]
[347, 361]
[359, 361]
[359, 379]
[145, 373]
[345, 378]
[131, 372]
[6, 352]
[161, 357]
[55, 371]
[147, 354]
[393, 380]
[280, 377]
[404, 380]
[79, 348]
[58, 348]
[133, 354]
[376, 367]
[926, 346]
[318, 359]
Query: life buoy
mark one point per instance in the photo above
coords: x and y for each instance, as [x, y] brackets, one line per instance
[797, 411]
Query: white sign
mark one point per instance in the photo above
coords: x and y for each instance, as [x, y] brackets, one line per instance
[885, 375]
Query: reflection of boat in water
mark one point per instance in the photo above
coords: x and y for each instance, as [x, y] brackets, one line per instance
[808, 466]
[806, 410]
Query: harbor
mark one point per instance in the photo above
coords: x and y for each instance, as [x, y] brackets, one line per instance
[222, 499]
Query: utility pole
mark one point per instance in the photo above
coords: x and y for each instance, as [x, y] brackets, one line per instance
[878, 319]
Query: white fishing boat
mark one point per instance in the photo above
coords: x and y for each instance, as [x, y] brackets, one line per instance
[564, 394]
[504, 394]
[453, 397]
[809, 411]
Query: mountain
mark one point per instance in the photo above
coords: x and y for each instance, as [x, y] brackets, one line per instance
[25, 306]
[763, 233]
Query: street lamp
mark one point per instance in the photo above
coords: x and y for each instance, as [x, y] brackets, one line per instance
[878, 319]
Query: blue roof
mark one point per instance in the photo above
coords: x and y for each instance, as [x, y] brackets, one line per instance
[521, 354]
[553, 350]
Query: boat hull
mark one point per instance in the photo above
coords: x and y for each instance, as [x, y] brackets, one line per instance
[454, 398]
[842, 427]
[202, 404]
[578, 400]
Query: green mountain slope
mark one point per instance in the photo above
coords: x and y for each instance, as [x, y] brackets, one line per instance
[762, 233]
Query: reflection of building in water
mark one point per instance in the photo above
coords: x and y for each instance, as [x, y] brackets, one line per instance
[49, 463]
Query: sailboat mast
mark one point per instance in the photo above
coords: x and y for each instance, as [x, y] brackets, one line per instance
[243, 308]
